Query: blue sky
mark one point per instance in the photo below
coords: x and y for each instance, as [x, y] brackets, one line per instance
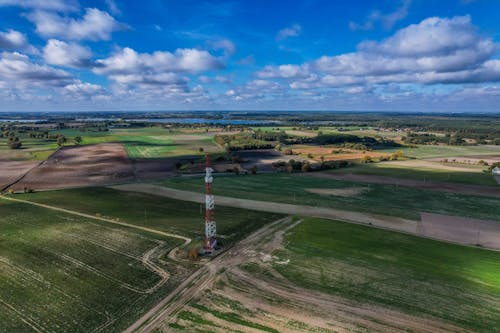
[407, 55]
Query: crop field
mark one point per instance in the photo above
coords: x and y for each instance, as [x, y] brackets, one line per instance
[421, 277]
[32, 150]
[64, 273]
[431, 151]
[159, 213]
[425, 171]
[160, 142]
[374, 198]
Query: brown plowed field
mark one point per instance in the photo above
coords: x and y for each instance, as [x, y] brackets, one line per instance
[12, 170]
[100, 164]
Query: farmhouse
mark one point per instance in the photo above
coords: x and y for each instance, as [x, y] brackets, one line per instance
[496, 171]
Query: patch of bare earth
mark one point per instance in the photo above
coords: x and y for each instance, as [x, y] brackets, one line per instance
[10, 171]
[100, 164]
[461, 230]
[491, 191]
[342, 192]
[248, 300]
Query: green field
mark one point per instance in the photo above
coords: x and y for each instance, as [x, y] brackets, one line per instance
[460, 285]
[380, 199]
[63, 273]
[152, 211]
[389, 169]
[32, 150]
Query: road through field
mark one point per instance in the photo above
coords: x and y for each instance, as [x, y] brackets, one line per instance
[388, 222]
[436, 228]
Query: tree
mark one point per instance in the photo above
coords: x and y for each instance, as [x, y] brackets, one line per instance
[201, 149]
[253, 170]
[61, 140]
[78, 140]
[236, 170]
[15, 143]
[306, 167]
[367, 159]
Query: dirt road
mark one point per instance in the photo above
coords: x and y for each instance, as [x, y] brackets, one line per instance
[198, 281]
[490, 191]
[313, 306]
[387, 222]
[445, 228]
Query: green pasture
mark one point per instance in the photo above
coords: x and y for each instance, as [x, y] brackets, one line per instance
[388, 169]
[451, 283]
[181, 217]
[64, 273]
[391, 200]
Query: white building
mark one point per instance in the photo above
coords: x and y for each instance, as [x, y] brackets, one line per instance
[496, 171]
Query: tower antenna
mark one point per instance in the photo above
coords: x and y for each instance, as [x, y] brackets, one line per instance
[210, 228]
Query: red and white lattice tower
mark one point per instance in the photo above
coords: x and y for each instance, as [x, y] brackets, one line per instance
[210, 229]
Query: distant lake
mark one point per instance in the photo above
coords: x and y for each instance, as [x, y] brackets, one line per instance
[206, 121]
[20, 120]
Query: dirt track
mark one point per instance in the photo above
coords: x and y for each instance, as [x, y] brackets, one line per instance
[312, 306]
[440, 227]
[491, 191]
[389, 222]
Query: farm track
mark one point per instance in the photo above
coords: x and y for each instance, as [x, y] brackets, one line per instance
[437, 229]
[342, 313]
[490, 191]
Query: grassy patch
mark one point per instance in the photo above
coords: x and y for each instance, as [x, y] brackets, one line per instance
[154, 211]
[428, 278]
[380, 199]
[424, 174]
[64, 273]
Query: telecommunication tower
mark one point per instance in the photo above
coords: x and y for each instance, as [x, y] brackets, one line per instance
[210, 228]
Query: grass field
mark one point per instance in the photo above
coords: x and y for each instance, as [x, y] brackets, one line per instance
[457, 284]
[63, 273]
[380, 199]
[155, 212]
[32, 150]
[390, 169]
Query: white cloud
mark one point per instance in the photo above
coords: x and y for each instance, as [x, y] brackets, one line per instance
[387, 20]
[18, 69]
[437, 50]
[113, 7]
[56, 5]
[60, 53]
[128, 61]
[292, 31]
[84, 90]
[12, 40]
[94, 25]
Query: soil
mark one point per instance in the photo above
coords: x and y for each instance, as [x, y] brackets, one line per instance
[10, 171]
[99, 164]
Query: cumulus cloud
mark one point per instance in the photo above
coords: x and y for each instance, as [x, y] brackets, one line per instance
[18, 68]
[437, 50]
[128, 61]
[292, 31]
[52, 5]
[388, 20]
[84, 90]
[12, 40]
[94, 25]
[60, 53]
